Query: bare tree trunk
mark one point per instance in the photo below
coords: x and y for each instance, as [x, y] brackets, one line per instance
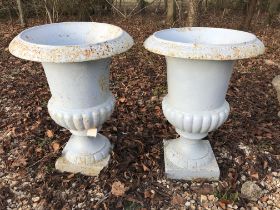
[142, 6]
[35, 8]
[21, 13]
[109, 6]
[170, 16]
[250, 13]
[272, 10]
[48, 11]
[9, 13]
[205, 6]
[83, 10]
[221, 4]
[165, 5]
[193, 17]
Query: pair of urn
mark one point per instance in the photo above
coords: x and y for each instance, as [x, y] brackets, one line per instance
[76, 57]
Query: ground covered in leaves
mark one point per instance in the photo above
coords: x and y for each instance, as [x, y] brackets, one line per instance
[246, 147]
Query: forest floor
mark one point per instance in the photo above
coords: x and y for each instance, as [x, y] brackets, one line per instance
[247, 145]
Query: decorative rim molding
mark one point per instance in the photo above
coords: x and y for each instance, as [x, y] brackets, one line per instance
[204, 43]
[82, 119]
[36, 43]
[196, 122]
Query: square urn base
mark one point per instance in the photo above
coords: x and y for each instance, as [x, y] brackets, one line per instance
[64, 165]
[210, 171]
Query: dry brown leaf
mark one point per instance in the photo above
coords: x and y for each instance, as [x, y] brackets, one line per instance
[222, 205]
[50, 133]
[38, 150]
[149, 193]
[265, 164]
[157, 108]
[19, 162]
[177, 200]
[35, 125]
[118, 189]
[145, 168]
[38, 108]
[70, 176]
[271, 63]
[255, 175]
[205, 189]
[55, 146]
[1, 150]
[41, 174]
[264, 198]
[122, 99]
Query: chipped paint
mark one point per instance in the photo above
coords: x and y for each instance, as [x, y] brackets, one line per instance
[114, 41]
[168, 43]
[104, 83]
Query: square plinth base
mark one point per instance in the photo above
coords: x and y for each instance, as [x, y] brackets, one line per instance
[209, 172]
[64, 165]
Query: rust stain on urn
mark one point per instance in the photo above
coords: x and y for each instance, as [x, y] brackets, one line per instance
[103, 83]
[114, 41]
[198, 43]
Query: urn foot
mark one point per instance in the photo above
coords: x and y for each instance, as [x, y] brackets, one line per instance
[85, 154]
[63, 165]
[190, 159]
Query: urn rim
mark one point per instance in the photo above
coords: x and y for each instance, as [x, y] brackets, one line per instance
[204, 43]
[66, 42]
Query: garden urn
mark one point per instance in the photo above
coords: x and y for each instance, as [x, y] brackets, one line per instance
[76, 57]
[199, 66]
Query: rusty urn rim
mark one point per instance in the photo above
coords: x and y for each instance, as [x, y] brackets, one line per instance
[203, 43]
[70, 42]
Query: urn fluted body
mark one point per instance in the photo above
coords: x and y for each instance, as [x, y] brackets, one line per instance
[199, 66]
[76, 57]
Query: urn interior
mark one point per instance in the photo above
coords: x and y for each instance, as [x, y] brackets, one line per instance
[205, 36]
[70, 42]
[71, 33]
[202, 43]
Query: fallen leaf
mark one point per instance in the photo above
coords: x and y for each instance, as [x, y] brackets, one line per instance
[118, 189]
[38, 108]
[70, 176]
[38, 150]
[265, 164]
[55, 146]
[50, 133]
[222, 205]
[271, 63]
[122, 99]
[264, 198]
[145, 168]
[205, 189]
[149, 193]
[177, 200]
[157, 108]
[19, 162]
[1, 150]
[255, 175]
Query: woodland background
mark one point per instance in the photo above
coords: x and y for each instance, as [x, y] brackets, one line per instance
[187, 11]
